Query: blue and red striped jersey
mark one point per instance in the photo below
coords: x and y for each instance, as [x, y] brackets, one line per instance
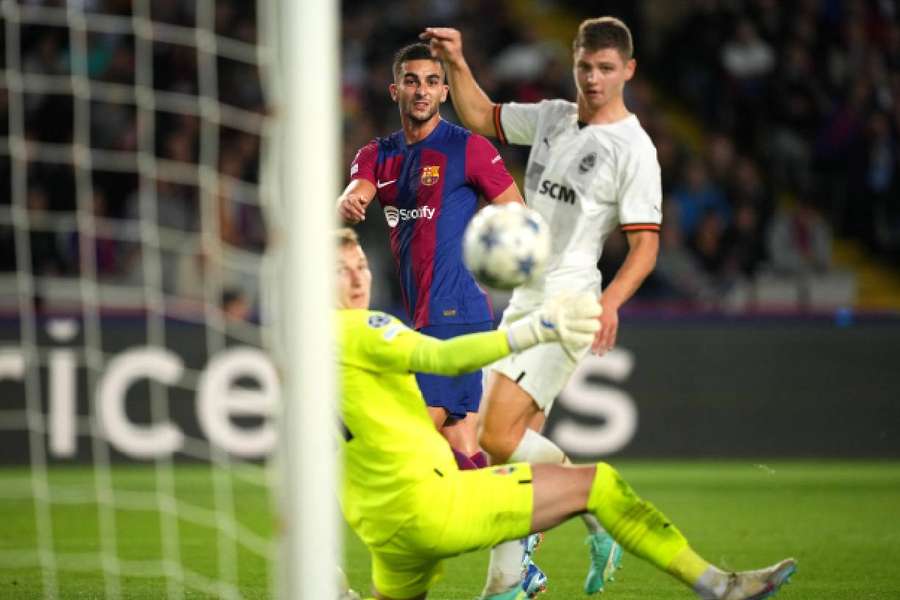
[429, 191]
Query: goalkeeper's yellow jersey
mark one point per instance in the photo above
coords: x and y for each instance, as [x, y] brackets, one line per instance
[390, 442]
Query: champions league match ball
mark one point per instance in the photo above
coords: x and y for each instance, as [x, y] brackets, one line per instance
[506, 245]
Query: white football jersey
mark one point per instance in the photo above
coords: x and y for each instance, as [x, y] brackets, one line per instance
[585, 181]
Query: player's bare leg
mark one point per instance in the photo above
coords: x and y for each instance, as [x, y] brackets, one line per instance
[438, 416]
[563, 491]
[511, 421]
[506, 414]
[462, 434]
[538, 421]
[445, 424]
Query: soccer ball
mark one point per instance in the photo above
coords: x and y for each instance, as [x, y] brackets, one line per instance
[506, 245]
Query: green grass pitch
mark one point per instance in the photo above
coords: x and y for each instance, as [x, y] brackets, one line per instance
[841, 520]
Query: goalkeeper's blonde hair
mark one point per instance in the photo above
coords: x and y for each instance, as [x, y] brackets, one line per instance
[346, 237]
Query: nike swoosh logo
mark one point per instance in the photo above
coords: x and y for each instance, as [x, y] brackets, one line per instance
[496, 159]
[547, 324]
[381, 184]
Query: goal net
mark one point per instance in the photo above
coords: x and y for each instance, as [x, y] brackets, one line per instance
[141, 266]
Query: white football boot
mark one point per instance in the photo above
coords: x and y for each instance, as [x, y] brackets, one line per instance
[756, 585]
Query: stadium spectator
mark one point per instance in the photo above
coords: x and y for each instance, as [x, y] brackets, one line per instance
[46, 255]
[240, 220]
[744, 243]
[881, 182]
[812, 128]
[835, 66]
[799, 240]
[798, 107]
[671, 156]
[678, 274]
[235, 305]
[708, 245]
[747, 187]
[721, 158]
[110, 259]
[747, 58]
[696, 196]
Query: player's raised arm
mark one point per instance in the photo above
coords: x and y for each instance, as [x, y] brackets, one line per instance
[472, 104]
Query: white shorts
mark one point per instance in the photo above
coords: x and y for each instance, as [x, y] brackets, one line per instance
[543, 370]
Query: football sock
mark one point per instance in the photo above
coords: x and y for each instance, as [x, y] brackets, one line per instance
[592, 524]
[479, 459]
[645, 532]
[536, 449]
[505, 568]
[462, 461]
[708, 581]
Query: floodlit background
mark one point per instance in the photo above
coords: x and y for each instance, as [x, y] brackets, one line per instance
[754, 391]
[777, 289]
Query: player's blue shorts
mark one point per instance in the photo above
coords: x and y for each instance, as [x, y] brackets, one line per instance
[458, 395]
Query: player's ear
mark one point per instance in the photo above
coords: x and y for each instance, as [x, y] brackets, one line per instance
[630, 65]
[444, 93]
[392, 89]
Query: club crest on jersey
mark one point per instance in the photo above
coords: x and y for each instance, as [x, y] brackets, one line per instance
[430, 175]
[587, 163]
[503, 470]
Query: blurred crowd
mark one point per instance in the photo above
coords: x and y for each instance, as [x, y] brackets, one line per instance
[776, 125]
[118, 200]
[799, 103]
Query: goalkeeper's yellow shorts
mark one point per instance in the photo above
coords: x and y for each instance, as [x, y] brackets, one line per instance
[457, 512]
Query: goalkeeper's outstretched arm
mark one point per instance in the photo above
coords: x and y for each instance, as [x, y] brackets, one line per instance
[375, 341]
[472, 104]
[570, 319]
[462, 354]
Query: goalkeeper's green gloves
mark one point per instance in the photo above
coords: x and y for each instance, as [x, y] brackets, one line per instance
[572, 319]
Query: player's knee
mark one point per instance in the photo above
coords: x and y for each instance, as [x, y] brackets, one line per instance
[607, 476]
[608, 487]
[498, 444]
[606, 471]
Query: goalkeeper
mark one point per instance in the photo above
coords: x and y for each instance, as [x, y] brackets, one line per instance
[403, 493]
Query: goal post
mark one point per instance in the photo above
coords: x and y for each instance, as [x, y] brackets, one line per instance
[310, 102]
[159, 437]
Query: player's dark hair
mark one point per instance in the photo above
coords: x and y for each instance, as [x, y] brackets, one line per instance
[604, 32]
[346, 237]
[230, 295]
[417, 51]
